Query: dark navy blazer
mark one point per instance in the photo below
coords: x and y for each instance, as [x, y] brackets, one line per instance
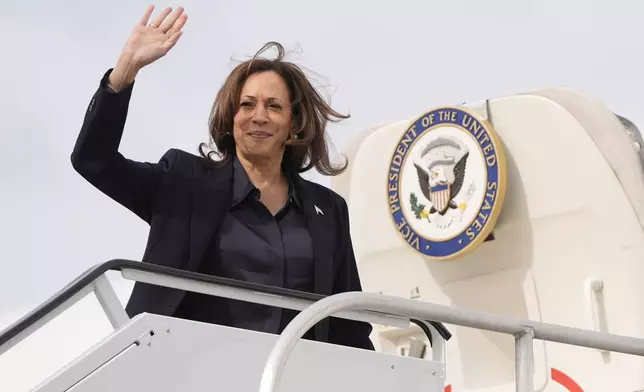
[259, 247]
[185, 198]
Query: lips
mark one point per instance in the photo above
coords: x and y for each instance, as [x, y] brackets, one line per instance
[259, 134]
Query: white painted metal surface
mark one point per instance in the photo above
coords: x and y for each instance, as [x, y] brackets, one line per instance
[188, 356]
[523, 331]
[573, 217]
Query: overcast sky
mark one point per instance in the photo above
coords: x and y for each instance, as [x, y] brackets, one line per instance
[383, 61]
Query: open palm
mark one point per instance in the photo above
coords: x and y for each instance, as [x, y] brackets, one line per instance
[149, 42]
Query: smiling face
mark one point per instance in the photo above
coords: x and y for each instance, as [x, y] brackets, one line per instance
[263, 122]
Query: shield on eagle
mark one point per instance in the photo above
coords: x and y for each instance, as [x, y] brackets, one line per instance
[440, 196]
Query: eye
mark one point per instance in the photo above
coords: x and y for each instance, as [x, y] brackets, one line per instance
[247, 103]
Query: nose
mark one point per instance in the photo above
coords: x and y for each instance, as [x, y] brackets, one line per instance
[259, 114]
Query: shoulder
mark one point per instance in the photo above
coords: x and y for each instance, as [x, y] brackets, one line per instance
[326, 198]
[180, 161]
[175, 156]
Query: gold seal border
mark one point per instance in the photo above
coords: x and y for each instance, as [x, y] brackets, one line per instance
[489, 226]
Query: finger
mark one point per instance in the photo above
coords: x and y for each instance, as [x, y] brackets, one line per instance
[170, 42]
[178, 25]
[146, 16]
[170, 21]
[159, 19]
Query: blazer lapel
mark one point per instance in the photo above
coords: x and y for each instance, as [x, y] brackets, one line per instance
[211, 198]
[320, 225]
[321, 229]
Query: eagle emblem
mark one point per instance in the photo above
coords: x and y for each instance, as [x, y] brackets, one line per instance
[441, 172]
[446, 182]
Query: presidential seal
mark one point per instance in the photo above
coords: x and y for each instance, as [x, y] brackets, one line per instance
[446, 183]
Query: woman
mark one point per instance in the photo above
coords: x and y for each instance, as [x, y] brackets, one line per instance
[243, 212]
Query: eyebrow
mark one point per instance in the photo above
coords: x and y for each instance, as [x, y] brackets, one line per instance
[269, 99]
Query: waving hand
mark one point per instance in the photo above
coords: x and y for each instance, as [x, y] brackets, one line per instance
[148, 42]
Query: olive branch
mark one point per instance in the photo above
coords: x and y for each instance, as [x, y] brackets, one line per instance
[418, 209]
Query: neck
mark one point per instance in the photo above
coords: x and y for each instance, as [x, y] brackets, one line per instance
[263, 171]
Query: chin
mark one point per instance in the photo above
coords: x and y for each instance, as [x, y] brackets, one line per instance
[260, 151]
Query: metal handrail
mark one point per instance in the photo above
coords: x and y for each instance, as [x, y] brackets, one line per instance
[93, 280]
[524, 331]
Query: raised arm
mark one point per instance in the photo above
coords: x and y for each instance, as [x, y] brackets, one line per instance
[96, 156]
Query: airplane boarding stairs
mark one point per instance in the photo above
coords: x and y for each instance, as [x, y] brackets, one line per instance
[157, 353]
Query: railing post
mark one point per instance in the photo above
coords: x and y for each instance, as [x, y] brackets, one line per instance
[524, 360]
[110, 302]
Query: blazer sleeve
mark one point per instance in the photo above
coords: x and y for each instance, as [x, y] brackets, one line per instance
[342, 331]
[97, 159]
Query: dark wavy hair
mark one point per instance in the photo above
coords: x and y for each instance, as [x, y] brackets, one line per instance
[310, 115]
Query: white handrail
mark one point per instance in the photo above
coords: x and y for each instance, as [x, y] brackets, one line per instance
[95, 281]
[524, 331]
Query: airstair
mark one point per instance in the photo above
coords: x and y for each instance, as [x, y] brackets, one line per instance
[162, 354]
[561, 272]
